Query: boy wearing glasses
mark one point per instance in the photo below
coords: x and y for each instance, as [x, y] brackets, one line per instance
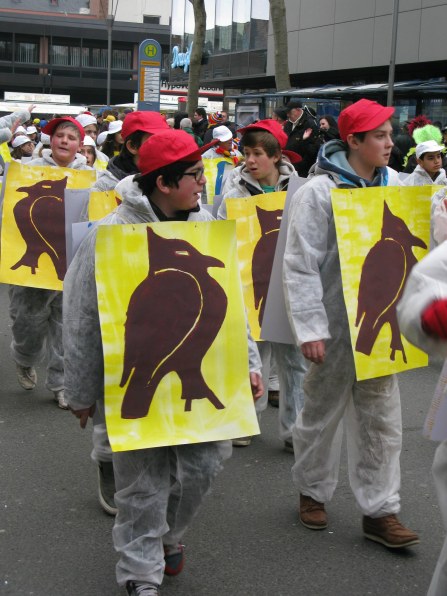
[159, 490]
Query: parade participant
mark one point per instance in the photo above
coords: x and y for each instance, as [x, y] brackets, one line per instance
[9, 127]
[153, 513]
[214, 119]
[137, 127]
[200, 122]
[36, 314]
[429, 168]
[317, 313]
[266, 169]
[91, 129]
[225, 146]
[89, 151]
[422, 314]
[22, 146]
[114, 141]
[186, 125]
[32, 134]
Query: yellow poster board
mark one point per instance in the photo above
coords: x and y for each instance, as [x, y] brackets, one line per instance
[381, 233]
[258, 220]
[33, 225]
[5, 152]
[174, 334]
[214, 170]
[102, 203]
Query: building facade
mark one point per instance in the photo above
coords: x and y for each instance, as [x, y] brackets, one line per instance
[61, 47]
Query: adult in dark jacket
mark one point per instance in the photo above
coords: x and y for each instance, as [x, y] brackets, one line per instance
[303, 134]
[200, 122]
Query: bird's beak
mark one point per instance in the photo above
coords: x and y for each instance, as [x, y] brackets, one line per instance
[415, 241]
[213, 262]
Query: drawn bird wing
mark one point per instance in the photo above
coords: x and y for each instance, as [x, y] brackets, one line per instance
[383, 275]
[162, 312]
[262, 264]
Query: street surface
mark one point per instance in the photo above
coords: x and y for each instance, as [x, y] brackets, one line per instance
[247, 541]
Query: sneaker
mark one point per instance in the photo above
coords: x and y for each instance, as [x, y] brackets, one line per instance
[388, 531]
[26, 376]
[274, 398]
[288, 446]
[174, 559]
[242, 442]
[106, 487]
[141, 589]
[312, 513]
[60, 399]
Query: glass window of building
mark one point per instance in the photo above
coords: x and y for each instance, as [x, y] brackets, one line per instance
[5, 47]
[122, 59]
[178, 23]
[241, 25]
[210, 7]
[63, 53]
[189, 26]
[223, 26]
[260, 12]
[27, 51]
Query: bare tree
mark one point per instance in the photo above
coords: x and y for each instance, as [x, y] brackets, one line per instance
[279, 23]
[196, 55]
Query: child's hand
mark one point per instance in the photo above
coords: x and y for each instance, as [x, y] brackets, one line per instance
[257, 386]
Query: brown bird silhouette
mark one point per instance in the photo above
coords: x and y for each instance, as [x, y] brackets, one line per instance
[173, 318]
[40, 218]
[384, 273]
[263, 256]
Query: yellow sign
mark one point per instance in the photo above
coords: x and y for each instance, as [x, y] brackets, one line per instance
[33, 227]
[102, 203]
[174, 334]
[381, 233]
[150, 50]
[214, 169]
[258, 220]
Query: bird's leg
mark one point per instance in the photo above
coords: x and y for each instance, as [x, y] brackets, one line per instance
[195, 387]
[396, 339]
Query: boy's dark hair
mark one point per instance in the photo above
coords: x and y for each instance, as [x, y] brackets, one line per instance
[266, 140]
[360, 136]
[171, 174]
[201, 112]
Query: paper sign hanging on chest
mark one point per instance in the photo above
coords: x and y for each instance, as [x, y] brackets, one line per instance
[174, 334]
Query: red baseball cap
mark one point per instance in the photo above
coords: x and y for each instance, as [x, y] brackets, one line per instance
[49, 128]
[274, 128]
[167, 147]
[362, 116]
[151, 122]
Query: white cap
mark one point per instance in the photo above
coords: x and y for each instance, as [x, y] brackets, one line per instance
[89, 141]
[45, 139]
[20, 130]
[31, 130]
[428, 147]
[222, 133]
[115, 127]
[185, 123]
[85, 120]
[101, 138]
[20, 140]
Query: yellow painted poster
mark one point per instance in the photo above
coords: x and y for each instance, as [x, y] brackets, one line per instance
[102, 203]
[33, 225]
[258, 220]
[215, 168]
[174, 334]
[381, 233]
[5, 152]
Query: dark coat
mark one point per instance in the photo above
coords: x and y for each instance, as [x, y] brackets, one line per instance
[200, 128]
[308, 148]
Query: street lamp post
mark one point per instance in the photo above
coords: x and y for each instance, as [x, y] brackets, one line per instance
[109, 53]
[389, 100]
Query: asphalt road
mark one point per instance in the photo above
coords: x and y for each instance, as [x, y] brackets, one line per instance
[55, 539]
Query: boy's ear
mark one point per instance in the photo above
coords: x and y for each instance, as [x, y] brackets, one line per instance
[352, 141]
[161, 186]
[131, 147]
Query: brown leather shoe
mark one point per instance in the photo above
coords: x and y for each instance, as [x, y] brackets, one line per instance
[388, 531]
[312, 513]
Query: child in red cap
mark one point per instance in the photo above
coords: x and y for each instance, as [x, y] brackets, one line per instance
[158, 490]
[36, 313]
[315, 304]
[267, 169]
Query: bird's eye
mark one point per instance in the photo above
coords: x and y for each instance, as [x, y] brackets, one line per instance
[182, 252]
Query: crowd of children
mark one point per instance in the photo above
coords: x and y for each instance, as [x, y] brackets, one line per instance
[158, 173]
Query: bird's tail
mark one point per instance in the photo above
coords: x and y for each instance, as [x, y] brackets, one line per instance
[367, 337]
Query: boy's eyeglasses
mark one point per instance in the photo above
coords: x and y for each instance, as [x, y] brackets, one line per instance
[198, 174]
